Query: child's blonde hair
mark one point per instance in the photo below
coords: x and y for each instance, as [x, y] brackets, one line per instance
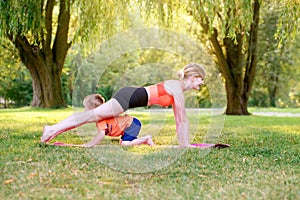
[192, 69]
[92, 101]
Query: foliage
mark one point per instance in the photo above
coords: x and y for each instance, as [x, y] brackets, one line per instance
[114, 64]
[225, 21]
[262, 163]
[90, 19]
[92, 22]
[175, 15]
[277, 66]
[15, 83]
[21, 17]
[288, 25]
[43, 32]
[96, 21]
[20, 92]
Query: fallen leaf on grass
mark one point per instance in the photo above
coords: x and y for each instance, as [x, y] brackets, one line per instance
[101, 183]
[8, 181]
[31, 175]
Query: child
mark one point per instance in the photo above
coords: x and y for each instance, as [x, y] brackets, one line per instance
[125, 126]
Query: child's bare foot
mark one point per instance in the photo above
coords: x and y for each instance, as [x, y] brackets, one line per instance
[150, 141]
[47, 135]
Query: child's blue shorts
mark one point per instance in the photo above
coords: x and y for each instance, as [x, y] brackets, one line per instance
[131, 132]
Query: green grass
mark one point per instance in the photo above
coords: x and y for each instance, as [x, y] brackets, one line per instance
[262, 162]
[279, 110]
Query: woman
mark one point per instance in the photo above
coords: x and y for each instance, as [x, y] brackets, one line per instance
[169, 92]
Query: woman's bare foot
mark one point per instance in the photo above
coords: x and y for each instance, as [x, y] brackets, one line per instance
[47, 135]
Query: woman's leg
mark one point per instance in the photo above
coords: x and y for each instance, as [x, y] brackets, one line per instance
[109, 109]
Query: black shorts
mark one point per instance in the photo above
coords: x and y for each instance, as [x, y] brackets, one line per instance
[131, 97]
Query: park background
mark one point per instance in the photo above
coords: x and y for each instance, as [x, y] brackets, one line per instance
[251, 46]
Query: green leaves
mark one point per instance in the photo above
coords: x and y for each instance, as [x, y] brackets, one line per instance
[97, 20]
[20, 17]
[289, 20]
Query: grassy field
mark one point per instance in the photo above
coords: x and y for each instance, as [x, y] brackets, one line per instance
[262, 162]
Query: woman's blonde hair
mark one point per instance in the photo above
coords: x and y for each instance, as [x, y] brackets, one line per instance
[192, 69]
[92, 101]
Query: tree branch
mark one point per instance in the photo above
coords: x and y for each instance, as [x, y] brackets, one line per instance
[24, 48]
[220, 16]
[48, 23]
[61, 46]
[252, 50]
[223, 65]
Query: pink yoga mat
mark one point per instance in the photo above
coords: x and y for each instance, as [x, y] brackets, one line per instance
[65, 145]
[198, 145]
[206, 145]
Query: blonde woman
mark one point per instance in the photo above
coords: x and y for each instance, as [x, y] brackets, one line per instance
[169, 92]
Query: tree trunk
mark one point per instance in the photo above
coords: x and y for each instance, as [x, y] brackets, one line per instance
[47, 90]
[45, 74]
[235, 62]
[272, 89]
[236, 103]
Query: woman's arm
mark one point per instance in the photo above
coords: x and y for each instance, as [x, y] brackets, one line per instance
[182, 128]
[175, 88]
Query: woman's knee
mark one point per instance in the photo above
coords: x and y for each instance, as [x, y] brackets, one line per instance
[91, 116]
[109, 109]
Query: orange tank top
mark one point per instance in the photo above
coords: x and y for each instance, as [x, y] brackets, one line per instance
[159, 96]
[115, 126]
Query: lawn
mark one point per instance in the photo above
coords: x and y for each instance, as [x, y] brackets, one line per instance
[261, 163]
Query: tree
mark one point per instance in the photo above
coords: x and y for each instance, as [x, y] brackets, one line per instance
[230, 30]
[277, 63]
[43, 31]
